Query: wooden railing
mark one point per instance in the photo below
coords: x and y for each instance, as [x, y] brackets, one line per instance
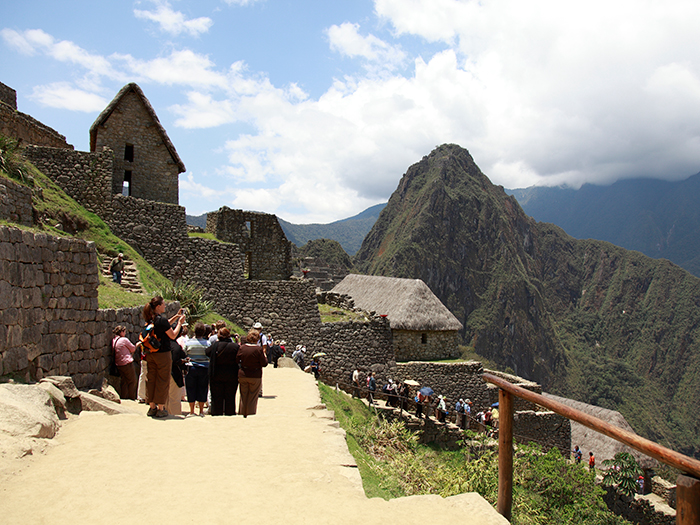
[687, 484]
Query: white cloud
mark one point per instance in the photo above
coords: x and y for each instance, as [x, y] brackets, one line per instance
[347, 40]
[174, 22]
[184, 67]
[64, 96]
[33, 41]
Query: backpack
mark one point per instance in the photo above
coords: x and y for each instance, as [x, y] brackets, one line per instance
[148, 340]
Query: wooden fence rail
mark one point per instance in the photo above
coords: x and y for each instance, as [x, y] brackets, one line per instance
[687, 485]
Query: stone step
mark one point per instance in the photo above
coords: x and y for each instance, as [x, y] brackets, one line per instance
[130, 280]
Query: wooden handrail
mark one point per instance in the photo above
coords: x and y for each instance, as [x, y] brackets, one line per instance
[646, 446]
[688, 486]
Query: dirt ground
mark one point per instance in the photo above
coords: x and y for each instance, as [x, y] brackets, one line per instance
[288, 464]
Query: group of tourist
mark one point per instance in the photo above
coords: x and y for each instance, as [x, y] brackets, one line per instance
[212, 365]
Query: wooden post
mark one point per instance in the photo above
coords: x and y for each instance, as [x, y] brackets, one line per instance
[505, 454]
[687, 500]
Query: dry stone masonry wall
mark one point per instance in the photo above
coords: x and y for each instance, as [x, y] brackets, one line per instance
[286, 309]
[158, 231]
[264, 246]
[412, 345]
[85, 177]
[362, 344]
[16, 203]
[49, 320]
[215, 266]
[8, 96]
[24, 128]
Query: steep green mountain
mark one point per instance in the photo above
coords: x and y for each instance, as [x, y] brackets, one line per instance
[658, 218]
[197, 220]
[328, 250]
[587, 319]
[348, 232]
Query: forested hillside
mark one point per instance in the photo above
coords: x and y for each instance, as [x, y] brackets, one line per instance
[587, 319]
[656, 217]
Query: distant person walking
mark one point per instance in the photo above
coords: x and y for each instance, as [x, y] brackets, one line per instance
[591, 461]
[371, 388]
[578, 455]
[356, 383]
[116, 268]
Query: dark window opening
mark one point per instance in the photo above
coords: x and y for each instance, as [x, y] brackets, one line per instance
[126, 185]
[424, 339]
[129, 152]
[246, 265]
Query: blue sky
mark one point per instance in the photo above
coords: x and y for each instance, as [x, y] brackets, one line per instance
[314, 109]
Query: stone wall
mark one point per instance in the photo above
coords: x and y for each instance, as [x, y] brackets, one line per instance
[215, 266]
[637, 509]
[664, 489]
[24, 128]
[85, 177]
[266, 252]
[286, 309]
[15, 202]
[548, 429]
[49, 320]
[412, 345]
[154, 172]
[158, 231]
[362, 344]
[8, 96]
[452, 380]
[48, 300]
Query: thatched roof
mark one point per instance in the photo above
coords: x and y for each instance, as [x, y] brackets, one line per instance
[102, 118]
[602, 446]
[408, 303]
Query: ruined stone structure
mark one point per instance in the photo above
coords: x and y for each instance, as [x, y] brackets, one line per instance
[24, 128]
[146, 164]
[267, 252]
[50, 323]
[49, 320]
[86, 177]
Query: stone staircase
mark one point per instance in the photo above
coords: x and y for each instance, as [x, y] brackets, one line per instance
[130, 276]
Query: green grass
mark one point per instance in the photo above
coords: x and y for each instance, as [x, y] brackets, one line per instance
[111, 295]
[331, 314]
[547, 488]
[352, 413]
[209, 236]
[53, 207]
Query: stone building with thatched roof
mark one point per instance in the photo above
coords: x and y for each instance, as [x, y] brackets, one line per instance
[423, 328]
[146, 164]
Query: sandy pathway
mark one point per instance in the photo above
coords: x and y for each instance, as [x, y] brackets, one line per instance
[288, 464]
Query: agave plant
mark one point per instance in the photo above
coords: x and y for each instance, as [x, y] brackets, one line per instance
[190, 297]
[623, 471]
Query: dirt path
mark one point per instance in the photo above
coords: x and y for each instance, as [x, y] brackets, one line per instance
[288, 464]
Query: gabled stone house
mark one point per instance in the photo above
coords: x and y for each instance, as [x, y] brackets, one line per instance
[423, 328]
[146, 164]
